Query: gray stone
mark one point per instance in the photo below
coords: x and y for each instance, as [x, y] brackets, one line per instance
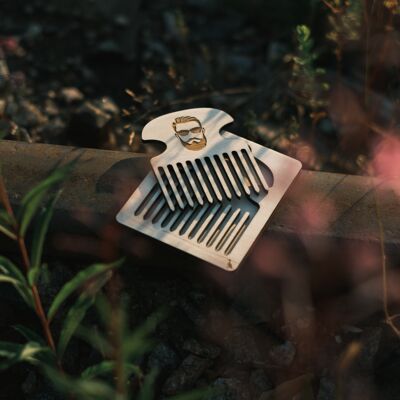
[259, 383]
[209, 351]
[229, 389]
[28, 115]
[162, 357]
[370, 340]
[326, 390]
[283, 354]
[242, 345]
[71, 95]
[186, 375]
[107, 105]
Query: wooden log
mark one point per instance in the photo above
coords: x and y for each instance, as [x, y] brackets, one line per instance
[318, 203]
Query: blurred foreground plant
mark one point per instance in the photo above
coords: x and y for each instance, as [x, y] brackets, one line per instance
[119, 348]
[307, 83]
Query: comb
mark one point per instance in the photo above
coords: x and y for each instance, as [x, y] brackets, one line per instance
[199, 163]
[220, 233]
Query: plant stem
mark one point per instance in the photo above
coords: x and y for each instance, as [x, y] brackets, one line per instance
[385, 298]
[5, 200]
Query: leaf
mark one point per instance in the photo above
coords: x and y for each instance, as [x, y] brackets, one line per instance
[6, 225]
[77, 312]
[33, 275]
[29, 334]
[9, 273]
[83, 389]
[31, 202]
[15, 353]
[107, 367]
[39, 237]
[76, 282]
[6, 266]
[138, 343]
[147, 391]
[94, 338]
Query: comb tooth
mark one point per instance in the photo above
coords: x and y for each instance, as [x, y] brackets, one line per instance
[183, 185]
[158, 208]
[239, 173]
[221, 178]
[146, 203]
[248, 172]
[211, 179]
[229, 174]
[174, 188]
[196, 220]
[164, 188]
[210, 238]
[202, 182]
[151, 201]
[236, 234]
[224, 235]
[184, 220]
[193, 184]
[206, 222]
[257, 169]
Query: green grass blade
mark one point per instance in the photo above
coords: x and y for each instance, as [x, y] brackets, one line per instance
[9, 268]
[7, 232]
[32, 200]
[78, 311]
[147, 391]
[82, 389]
[29, 334]
[107, 367]
[73, 319]
[15, 353]
[40, 233]
[76, 282]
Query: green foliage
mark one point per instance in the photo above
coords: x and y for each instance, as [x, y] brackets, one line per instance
[6, 225]
[393, 6]
[307, 79]
[78, 311]
[39, 236]
[78, 281]
[33, 199]
[9, 273]
[345, 21]
[118, 346]
[13, 353]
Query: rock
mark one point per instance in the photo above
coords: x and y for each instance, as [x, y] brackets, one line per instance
[28, 115]
[326, 390]
[162, 357]
[229, 389]
[259, 383]
[242, 345]
[209, 351]
[186, 375]
[50, 108]
[71, 95]
[109, 47]
[87, 125]
[296, 389]
[370, 340]
[53, 131]
[108, 106]
[121, 20]
[283, 354]
[30, 383]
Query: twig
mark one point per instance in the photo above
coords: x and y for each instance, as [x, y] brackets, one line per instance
[388, 318]
[4, 199]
